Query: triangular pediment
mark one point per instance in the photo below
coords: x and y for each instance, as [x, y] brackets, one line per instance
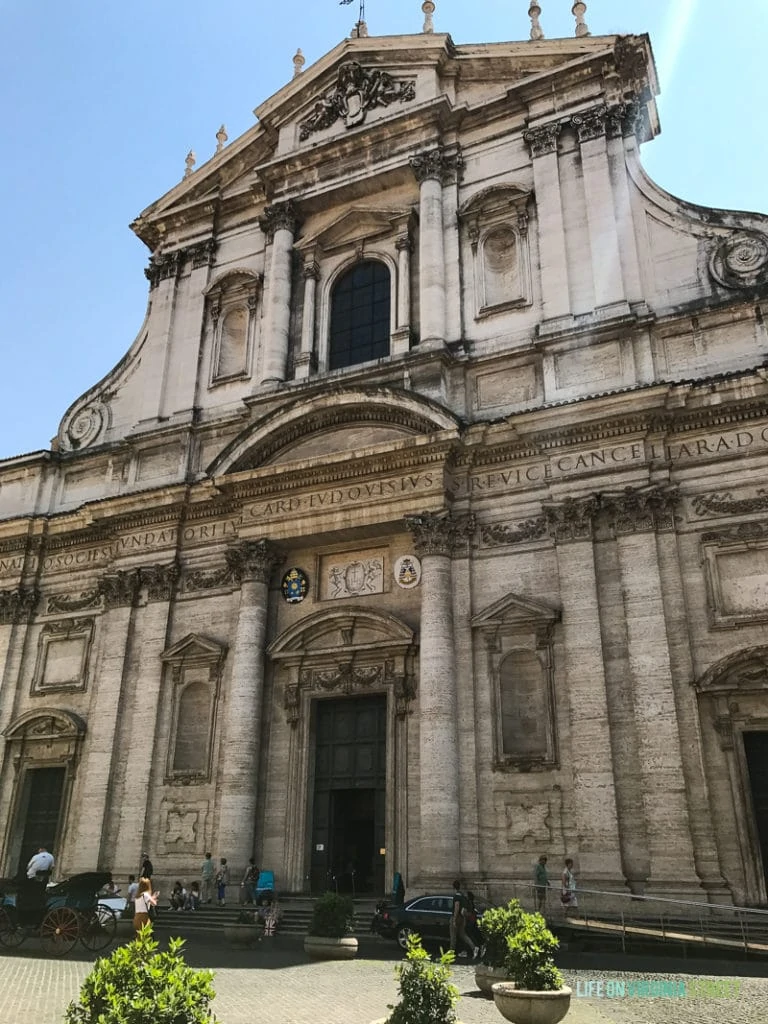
[195, 647]
[355, 225]
[364, 81]
[513, 611]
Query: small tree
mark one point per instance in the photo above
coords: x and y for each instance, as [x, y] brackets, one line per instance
[426, 993]
[496, 925]
[530, 956]
[136, 984]
[332, 916]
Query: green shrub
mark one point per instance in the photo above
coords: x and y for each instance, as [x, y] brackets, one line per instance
[332, 916]
[529, 960]
[496, 925]
[136, 984]
[426, 993]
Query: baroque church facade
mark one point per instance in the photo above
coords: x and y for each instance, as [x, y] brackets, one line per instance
[420, 529]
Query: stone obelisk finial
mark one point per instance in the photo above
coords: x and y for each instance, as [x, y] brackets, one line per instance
[578, 10]
[189, 162]
[429, 9]
[534, 13]
[298, 63]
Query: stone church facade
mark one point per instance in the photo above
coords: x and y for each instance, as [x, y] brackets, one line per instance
[422, 526]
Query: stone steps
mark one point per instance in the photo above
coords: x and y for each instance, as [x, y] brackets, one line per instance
[211, 919]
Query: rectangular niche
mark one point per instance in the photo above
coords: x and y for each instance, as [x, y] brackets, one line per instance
[737, 577]
[351, 574]
[62, 656]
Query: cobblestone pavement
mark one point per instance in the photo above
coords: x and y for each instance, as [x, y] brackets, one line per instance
[277, 984]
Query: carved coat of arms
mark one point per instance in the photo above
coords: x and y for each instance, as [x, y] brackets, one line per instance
[357, 90]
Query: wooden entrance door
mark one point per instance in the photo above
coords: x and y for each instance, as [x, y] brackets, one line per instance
[349, 795]
[40, 811]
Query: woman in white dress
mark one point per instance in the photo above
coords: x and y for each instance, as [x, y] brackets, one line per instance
[568, 893]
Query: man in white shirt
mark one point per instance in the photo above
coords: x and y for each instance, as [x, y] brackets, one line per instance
[40, 866]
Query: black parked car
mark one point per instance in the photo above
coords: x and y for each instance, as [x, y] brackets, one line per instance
[429, 916]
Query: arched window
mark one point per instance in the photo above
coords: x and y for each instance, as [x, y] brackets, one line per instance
[193, 729]
[360, 315]
[524, 705]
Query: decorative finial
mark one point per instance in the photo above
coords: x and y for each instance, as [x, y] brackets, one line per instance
[429, 9]
[578, 10]
[298, 63]
[534, 13]
[221, 138]
[360, 31]
[190, 160]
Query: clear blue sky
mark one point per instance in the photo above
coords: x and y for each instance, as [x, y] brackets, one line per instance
[102, 101]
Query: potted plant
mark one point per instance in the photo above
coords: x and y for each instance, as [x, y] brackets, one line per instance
[329, 935]
[496, 925]
[246, 929]
[426, 993]
[536, 994]
[137, 983]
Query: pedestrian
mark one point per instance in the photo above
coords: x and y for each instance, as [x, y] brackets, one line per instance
[458, 922]
[541, 883]
[178, 897]
[193, 897]
[207, 873]
[130, 897]
[222, 881]
[568, 891]
[248, 884]
[146, 901]
[470, 921]
[40, 866]
[146, 870]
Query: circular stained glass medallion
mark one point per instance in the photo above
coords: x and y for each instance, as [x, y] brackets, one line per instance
[295, 586]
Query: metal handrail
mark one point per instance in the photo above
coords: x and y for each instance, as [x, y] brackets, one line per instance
[637, 898]
[694, 916]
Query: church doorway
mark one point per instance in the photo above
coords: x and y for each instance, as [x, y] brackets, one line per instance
[756, 751]
[349, 795]
[40, 811]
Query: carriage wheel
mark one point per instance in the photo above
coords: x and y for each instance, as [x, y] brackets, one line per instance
[11, 932]
[98, 928]
[60, 930]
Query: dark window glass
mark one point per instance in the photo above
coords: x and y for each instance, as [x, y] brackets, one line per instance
[360, 315]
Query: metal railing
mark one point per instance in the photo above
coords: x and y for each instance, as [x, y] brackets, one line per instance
[629, 917]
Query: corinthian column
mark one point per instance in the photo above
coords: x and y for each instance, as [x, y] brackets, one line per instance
[431, 169]
[304, 359]
[435, 536]
[253, 563]
[549, 208]
[278, 224]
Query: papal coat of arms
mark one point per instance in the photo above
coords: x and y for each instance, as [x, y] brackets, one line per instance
[407, 572]
[294, 585]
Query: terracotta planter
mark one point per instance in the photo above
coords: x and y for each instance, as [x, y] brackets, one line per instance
[486, 976]
[522, 1007]
[330, 949]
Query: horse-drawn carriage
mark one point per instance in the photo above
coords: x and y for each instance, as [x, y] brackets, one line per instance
[59, 914]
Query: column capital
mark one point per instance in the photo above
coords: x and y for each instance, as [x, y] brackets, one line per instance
[439, 533]
[643, 510]
[310, 270]
[279, 216]
[436, 165]
[17, 604]
[120, 588]
[159, 580]
[590, 124]
[253, 560]
[571, 520]
[404, 243]
[543, 138]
